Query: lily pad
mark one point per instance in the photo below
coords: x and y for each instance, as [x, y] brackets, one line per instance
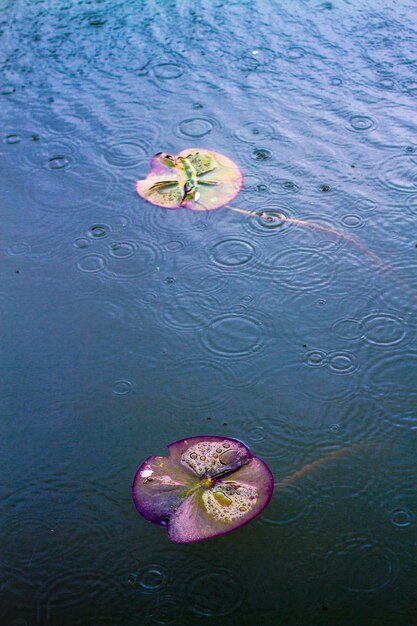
[205, 487]
[196, 178]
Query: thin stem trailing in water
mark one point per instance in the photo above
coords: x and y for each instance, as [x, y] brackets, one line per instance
[374, 257]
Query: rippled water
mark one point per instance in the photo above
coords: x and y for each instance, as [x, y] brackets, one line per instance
[125, 326]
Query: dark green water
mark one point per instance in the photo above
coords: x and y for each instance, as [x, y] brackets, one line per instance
[125, 326]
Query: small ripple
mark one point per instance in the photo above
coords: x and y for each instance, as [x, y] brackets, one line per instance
[253, 132]
[361, 123]
[18, 249]
[122, 249]
[359, 419]
[196, 127]
[126, 152]
[390, 378]
[165, 611]
[400, 173]
[234, 336]
[257, 433]
[308, 234]
[289, 504]
[88, 284]
[175, 245]
[315, 358]
[342, 362]
[152, 578]
[348, 328]
[255, 190]
[257, 57]
[327, 385]
[282, 440]
[65, 533]
[295, 52]
[283, 186]
[68, 189]
[401, 517]
[7, 90]
[168, 71]
[226, 592]
[65, 123]
[362, 564]
[203, 278]
[385, 84]
[98, 231]
[59, 162]
[398, 456]
[191, 383]
[174, 221]
[68, 590]
[351, 221]
[349, 475]
[12, 139]
[91, 263]
[122, 388]
[302, 269]
[18, 590]
[269, 221]
[26, 540]
[131, 259]
[53, 155]
[187, 311]
[261, 154]
[384, 329]
[233, 253]
[365, 205]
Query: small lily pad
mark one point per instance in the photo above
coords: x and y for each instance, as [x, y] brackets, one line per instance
[205, 487]
[196, 178]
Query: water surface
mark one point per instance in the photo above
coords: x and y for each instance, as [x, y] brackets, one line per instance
[125, 327]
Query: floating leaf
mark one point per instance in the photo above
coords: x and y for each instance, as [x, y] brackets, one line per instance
[205, 487]
[197, 179]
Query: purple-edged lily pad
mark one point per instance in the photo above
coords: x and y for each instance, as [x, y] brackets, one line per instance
[196, 178]
[205, 487]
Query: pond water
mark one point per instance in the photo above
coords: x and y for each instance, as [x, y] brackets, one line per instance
[125, 326]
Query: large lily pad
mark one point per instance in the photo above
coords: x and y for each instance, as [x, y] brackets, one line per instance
[196, 178]
[205, 487]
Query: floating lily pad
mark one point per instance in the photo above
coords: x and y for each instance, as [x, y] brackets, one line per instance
[196, 178]
[205, 487]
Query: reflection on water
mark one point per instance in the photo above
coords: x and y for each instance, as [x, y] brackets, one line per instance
[125, 326]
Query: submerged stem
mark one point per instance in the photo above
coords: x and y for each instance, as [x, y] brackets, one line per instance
[374, 257]
[309, 467]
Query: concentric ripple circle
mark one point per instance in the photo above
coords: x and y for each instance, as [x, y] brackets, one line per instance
[363, 564]
[131, 259]
[234, 336]
[384, 329]
[191, 383]
[232, 253]
[69, 189]
[188, 311]
[361, 123]
[391, 378]
[287, 506]
[400, 173]
[252, 132]
[196, 127]
[226, 592]
[308, 269]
